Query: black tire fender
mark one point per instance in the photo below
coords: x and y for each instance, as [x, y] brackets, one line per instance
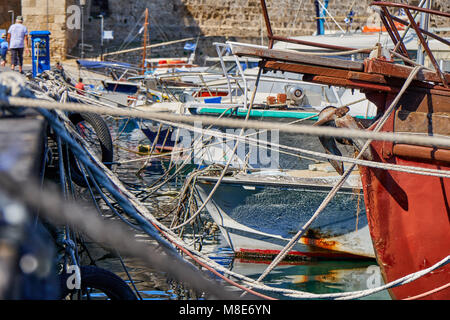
[104, 136]
[105, 281]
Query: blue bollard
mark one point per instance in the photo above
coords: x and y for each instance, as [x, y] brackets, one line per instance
[40, 51]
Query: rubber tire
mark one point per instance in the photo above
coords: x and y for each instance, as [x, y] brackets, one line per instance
[104, 136]
[105, 281]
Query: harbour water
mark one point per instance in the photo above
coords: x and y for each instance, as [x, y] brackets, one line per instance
[315, 276]
[392, 96]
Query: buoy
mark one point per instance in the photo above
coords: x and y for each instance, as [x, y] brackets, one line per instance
[281, 98]
[271, 100]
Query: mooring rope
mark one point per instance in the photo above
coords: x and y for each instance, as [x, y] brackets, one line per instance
[303, 295]
[419, 296]
[57, 210]
[173, 238]
[233, 153]
[256, 142]
[339, 184]
[233, 123]
[179, 243]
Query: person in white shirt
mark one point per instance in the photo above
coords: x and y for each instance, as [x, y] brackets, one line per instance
[18, 41]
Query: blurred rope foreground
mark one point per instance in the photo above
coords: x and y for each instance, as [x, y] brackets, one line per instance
[110, 233]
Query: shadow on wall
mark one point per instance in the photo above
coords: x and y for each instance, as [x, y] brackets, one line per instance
[168, 20]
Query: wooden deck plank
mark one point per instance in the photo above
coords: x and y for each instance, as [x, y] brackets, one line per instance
[324, 71]
[374, 66]
[352, 84]
[353, 79]
[292, 56]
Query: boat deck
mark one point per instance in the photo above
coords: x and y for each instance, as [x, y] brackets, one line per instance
[318, 177]
[372, 74]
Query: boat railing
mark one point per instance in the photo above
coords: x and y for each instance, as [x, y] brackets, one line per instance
[388, 21]
[246, 78]
[221, 48]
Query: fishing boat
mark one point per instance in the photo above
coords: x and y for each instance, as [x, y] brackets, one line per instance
[279, 96]
[407, 213]
[113, 87]
[259, 211]
[285, 98]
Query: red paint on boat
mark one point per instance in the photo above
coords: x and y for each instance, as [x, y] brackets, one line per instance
[409, 221]
[205, 94]
[408, 214]
[298, 254]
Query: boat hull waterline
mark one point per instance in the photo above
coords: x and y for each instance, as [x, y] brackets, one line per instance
[258, 221]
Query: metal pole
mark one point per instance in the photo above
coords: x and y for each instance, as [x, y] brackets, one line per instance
[12, 16]
[102, 25]
[424, 18]
[318, 21]
[82, 3]
[144, 52]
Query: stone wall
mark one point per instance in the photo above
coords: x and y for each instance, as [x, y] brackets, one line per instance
[211, 20]
[51, 15]
[239, 20]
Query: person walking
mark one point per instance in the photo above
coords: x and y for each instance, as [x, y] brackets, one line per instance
[3, 50]
[18, 41]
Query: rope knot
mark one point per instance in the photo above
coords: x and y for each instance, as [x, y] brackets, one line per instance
[70, 244]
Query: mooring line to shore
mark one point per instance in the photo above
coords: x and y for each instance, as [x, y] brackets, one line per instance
[302, 294]
[57, 210]
[250, 124]
[308, 130]
[104, 176]
[339, 184]
[154, 222]
[256, 142]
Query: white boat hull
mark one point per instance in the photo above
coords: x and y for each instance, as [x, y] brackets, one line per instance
[260, 219]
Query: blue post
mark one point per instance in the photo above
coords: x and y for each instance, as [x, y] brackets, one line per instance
[318, 24]
[40, 51]
[320, 15]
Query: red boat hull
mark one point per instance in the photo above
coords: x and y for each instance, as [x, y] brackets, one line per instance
[409, 221]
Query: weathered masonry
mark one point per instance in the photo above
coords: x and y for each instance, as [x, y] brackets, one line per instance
[176, 19]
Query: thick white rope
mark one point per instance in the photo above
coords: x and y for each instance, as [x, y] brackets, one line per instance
[256, 142]
[288, 247]
[251, 281]
[233, 123]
